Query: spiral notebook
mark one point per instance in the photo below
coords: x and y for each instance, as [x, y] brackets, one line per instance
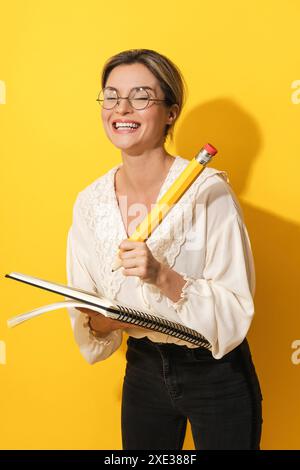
[110, 308]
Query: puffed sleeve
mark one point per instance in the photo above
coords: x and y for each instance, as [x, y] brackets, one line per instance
[220, 304]
[78, 262]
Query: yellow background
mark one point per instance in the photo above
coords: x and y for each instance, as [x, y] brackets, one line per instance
[239, 60]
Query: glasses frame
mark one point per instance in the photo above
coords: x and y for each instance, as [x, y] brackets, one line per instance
[127, 98]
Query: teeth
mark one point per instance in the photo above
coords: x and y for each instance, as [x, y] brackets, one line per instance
[125, 124]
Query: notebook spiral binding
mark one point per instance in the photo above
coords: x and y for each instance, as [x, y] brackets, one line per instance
[143, 319]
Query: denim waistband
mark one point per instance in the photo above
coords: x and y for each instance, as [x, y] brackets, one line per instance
[241, 349]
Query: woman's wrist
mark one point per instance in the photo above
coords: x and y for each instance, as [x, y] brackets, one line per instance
[162, 278]
[170, 282]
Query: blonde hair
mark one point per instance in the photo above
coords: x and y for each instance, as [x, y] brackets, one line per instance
[167, 73]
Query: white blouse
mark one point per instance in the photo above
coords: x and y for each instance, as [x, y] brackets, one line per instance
[203, 237]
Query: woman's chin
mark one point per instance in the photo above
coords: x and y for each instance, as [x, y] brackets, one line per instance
[127, 145]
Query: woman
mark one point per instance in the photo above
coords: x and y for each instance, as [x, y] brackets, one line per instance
[196, 268]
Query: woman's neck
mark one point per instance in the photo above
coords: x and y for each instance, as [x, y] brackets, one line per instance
[141, 175]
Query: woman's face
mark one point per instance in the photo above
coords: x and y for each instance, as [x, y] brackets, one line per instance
[152, 120]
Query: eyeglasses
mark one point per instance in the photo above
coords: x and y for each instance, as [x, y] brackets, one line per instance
[138, 98]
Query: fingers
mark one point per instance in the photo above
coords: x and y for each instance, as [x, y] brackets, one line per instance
[136, 271]
[82, 310]
[132, 262]
[87, 311]
[130, 245]
[132, 254]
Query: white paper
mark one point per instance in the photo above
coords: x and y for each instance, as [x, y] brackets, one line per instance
[14, 321]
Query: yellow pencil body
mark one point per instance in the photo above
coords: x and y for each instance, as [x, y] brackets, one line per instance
[174, 193]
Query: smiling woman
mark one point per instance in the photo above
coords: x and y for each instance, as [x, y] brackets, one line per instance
[209, 288]
[155, 74]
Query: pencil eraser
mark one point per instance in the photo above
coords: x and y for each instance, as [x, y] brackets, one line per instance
[210, 149]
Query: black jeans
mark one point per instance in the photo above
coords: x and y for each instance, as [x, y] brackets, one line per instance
[166, 384]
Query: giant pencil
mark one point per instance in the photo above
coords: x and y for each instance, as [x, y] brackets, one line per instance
[174, 193]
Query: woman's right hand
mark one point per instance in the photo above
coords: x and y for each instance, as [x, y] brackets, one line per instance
[102, 324]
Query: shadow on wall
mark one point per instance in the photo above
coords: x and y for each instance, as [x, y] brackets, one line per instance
[275, 246]
[274, 241]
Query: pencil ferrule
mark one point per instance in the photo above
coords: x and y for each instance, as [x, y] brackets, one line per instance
[203, 157]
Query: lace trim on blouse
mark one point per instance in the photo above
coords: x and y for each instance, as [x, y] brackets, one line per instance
[184, 293]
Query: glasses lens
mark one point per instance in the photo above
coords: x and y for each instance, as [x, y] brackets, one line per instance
[108, 98]
[139, 98]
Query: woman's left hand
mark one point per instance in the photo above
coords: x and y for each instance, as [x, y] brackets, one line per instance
[137, 260]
